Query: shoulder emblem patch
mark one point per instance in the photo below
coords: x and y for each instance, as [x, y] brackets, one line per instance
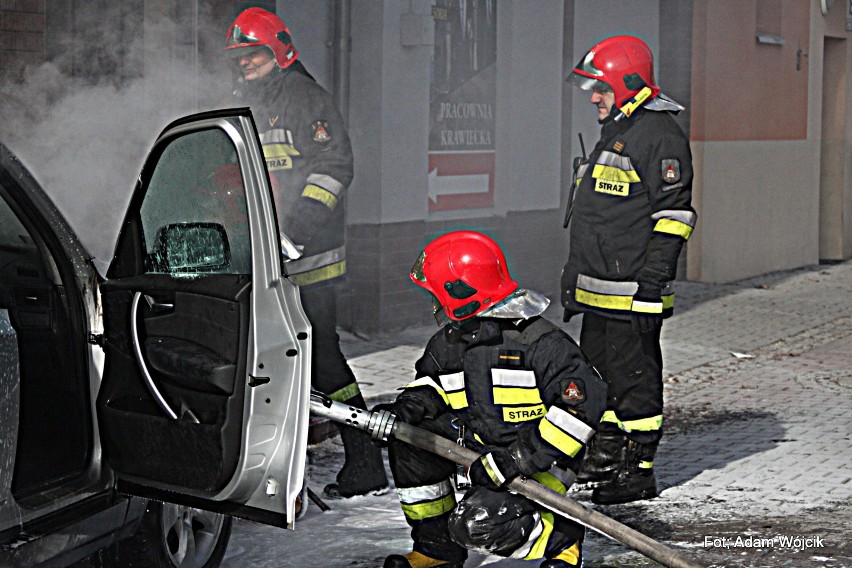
[574, 392]
[321, 132]
[670, 171]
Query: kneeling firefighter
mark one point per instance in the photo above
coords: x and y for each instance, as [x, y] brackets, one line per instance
[504, 381]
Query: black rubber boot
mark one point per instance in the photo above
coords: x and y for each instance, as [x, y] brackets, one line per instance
[417, 560]
[635, 481]
[605, 456]
[363, 472]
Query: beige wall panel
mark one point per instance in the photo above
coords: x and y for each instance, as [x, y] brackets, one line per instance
[758, 208]
[742, 87]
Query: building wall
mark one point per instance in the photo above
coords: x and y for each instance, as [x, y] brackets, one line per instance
[22, 44]
[768, 122]
[22, 39]
[389, 220]
[756, 135]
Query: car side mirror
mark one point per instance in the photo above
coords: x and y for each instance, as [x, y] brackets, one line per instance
[192, 247]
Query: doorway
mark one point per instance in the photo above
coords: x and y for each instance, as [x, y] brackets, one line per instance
[833, 151]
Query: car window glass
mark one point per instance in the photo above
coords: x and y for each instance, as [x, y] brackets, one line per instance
[194, 216]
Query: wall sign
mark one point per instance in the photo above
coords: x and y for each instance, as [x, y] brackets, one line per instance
[461, 105]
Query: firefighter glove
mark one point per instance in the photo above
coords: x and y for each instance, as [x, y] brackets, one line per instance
[409, 410]
[646, 312]
[495, 469]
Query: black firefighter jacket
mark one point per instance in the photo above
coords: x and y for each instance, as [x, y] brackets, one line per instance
[309, 158]
[525, 386]
[631, 214]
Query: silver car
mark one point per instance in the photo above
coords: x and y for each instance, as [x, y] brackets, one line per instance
[139, 412]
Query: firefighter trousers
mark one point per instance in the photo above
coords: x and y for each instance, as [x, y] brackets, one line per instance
[491, 521]
[631, 364]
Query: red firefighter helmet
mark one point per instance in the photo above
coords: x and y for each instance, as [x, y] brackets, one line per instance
[466, 273]
[622, 64]
[255, 27]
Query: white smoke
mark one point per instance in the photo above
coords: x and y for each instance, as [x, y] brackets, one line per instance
[85, 140]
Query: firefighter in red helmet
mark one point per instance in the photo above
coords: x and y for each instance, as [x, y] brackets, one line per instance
[309, 159]
[629, 215]
[501, 379]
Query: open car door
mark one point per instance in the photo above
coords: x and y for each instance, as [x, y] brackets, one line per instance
[205, 395]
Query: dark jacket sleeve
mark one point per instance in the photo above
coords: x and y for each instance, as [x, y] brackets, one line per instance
[668, 177]
[425, 391]
[321, 135]
[575, 398]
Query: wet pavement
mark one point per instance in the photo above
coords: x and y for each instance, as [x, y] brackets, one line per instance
[754, 469]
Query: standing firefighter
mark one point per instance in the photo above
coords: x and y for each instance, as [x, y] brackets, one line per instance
[309, 159]
[502, 380]
[630, 216]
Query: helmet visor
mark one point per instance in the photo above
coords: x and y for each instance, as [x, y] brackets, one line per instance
[417, 270]
[588, 83]
[237, 37]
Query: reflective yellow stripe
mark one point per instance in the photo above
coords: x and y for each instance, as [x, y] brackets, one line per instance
[607, 302]
[570, 424]
[457, 400]
[320, 194]
[428, 382]
[540, 545]
[277, 156]
[490, 467]
[420, 511]
[647, 307]
[514, 395]
[609, 416]
[426, 501]
[643, 424]
[620, 303]
[559, 439]
[550, 481]
[570, 555]
[640, 425]
[646, 464]
[320, 274]
[611, 173]
[672, 227]
[453, 384]
[523, 413]
[636, 101]
[346, 393]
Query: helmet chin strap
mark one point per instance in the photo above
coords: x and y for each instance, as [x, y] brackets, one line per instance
[634, 102]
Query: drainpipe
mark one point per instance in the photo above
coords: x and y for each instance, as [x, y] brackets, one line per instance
[343, 48]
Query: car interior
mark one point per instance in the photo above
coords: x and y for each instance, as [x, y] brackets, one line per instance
[54, 437]
[176, 308]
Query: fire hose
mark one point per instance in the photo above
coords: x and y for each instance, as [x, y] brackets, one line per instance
[382, 425]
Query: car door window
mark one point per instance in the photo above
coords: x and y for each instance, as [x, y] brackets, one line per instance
[194, 216]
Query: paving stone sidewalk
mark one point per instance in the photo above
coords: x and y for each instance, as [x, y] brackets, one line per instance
[758, 420]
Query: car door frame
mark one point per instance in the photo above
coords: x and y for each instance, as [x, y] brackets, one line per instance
[271, 464]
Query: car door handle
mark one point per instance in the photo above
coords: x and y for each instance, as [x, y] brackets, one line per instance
[158, 307]
[137, 349]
